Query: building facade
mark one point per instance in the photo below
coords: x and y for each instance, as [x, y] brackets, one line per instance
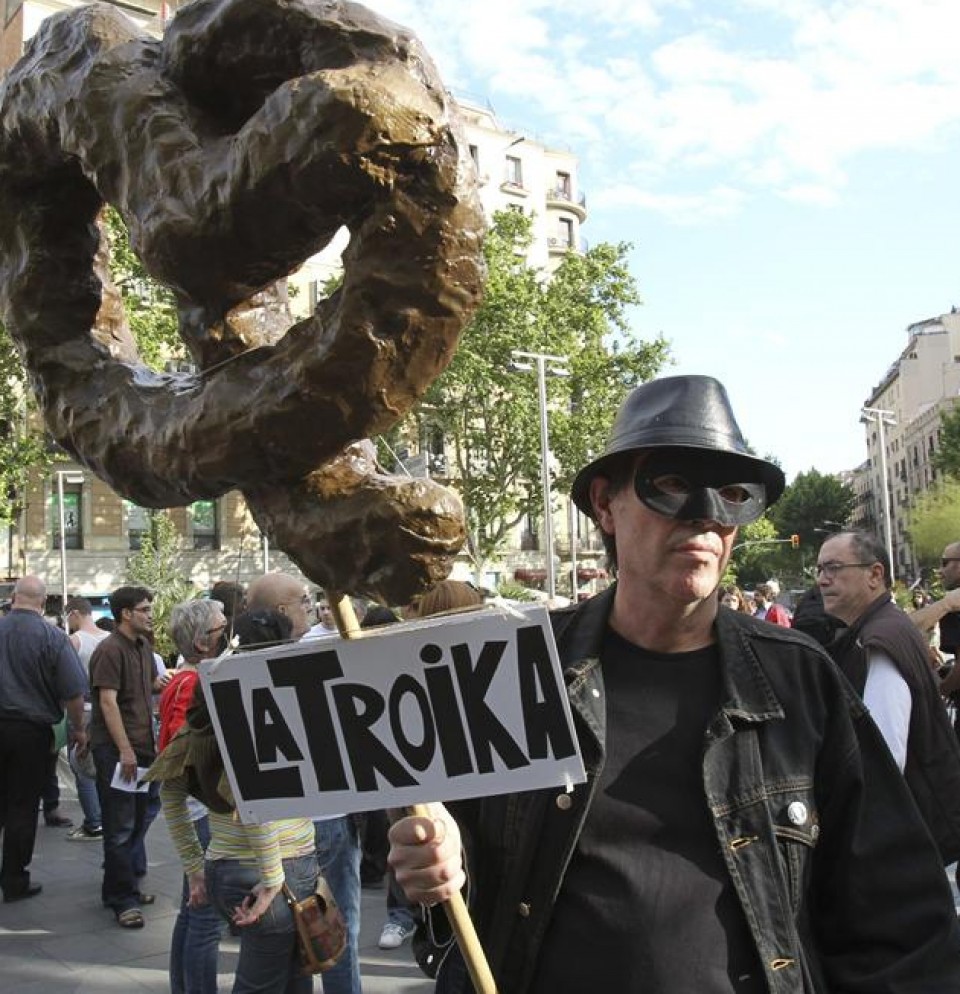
[911, 400]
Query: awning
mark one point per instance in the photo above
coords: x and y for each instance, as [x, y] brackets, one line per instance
[528, 575]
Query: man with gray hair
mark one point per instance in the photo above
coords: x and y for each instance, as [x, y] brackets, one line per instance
[885, 658]
[40, 674]
[199, 630]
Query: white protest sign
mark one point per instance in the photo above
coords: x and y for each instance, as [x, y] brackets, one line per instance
[434, 710]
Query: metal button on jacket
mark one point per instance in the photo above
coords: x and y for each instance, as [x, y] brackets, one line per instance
[564, 802]
[797, 813]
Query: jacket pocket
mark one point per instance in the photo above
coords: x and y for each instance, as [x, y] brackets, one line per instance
[796, 825]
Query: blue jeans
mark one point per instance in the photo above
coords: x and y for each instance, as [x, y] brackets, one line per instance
[268, 962]
[153, 809]
[338, 852]
[196, 938]
[124, 824]
[88, 797]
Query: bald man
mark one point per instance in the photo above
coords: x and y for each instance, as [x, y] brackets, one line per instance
[338, 840]
[286, 594]
[40, 676]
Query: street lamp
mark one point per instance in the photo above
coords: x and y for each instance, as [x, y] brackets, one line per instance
[73, 477]
[879, 417]
[557, 367]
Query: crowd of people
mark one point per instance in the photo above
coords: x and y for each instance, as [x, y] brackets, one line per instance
[124, 707]
[770, 803]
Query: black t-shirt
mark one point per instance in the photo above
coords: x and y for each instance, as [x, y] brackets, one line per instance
[950, 634]
[647, 906]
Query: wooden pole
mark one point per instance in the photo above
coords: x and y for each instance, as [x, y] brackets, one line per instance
[455, 907]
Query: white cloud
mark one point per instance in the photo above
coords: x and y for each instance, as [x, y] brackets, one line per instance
[779, 95]
[682, 208]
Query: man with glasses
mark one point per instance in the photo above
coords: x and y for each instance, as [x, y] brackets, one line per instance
[123, 678]
[337, 837]
[885, 658]
[742, 828]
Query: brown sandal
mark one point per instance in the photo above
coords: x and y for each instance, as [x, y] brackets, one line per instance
[131, 918]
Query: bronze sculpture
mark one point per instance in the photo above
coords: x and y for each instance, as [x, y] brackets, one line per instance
[234, 148]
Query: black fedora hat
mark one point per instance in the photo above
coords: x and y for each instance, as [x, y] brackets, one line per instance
[687, 412]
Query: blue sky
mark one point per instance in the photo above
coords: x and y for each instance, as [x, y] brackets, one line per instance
[785, 169]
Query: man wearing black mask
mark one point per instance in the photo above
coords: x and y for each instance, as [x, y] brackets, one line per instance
[743, 828]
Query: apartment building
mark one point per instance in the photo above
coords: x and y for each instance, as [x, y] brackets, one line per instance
[903, 414]
[516, 171]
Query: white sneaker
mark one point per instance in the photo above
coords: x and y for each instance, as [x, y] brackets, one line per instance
[393, 935]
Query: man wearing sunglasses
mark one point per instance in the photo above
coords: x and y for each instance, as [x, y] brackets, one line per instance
[742, 828]
[945, 613]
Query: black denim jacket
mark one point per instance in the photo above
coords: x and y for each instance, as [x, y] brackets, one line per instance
[839, 881]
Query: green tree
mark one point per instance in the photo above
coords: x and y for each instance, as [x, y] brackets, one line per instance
[756, 554]
[934, 521]
[813, 503]
[150, 307]
[488, 413]
[156, 566]
[947, 456]
[23, 442]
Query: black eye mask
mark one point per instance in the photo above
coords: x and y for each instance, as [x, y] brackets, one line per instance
[697, 485]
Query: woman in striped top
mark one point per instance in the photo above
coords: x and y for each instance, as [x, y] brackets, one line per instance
[242, 874]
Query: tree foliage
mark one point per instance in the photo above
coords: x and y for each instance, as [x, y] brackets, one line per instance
[150, 307]
[488, 412]
[814, 503]
[934, 521]
[23, 442]
[946, 459]
[755, 556]
[156, 566]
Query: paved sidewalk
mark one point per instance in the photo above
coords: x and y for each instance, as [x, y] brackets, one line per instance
[65, 942]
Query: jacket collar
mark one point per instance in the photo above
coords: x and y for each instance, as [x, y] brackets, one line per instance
[747, 693]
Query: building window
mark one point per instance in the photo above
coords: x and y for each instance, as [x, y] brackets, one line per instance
[564, 186]
[530, 535]
[475, 155]
[566, 232]
[138, 524]
[72, 516]
[206, 533]
[514, 174]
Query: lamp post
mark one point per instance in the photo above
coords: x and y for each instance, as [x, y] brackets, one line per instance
[879, 417]
[557, 367]
[72, 477]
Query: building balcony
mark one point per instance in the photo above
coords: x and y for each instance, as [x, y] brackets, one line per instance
[513, 187]
[561, 198]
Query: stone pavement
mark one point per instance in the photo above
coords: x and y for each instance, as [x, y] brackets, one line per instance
[65, 942]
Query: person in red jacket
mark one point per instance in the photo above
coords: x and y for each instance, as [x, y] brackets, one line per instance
[768, 609]
[199, 630]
